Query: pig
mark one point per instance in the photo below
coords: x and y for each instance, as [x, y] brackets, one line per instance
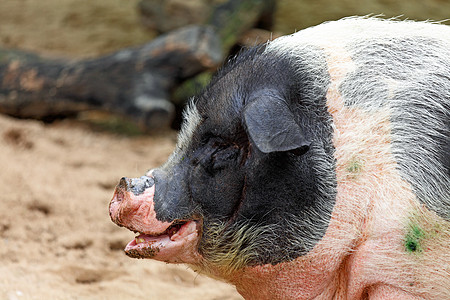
[315, 166]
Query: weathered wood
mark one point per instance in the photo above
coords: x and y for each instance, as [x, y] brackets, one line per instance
[232, 19]
[135, 82]
[191, 87]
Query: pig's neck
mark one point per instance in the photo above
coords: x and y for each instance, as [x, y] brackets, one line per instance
[321, 274]
[299, 279]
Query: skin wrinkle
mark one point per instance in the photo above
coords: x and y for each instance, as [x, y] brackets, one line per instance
[240, 202]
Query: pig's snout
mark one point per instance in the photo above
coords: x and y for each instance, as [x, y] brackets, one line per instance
[132, 205]
[136, 185]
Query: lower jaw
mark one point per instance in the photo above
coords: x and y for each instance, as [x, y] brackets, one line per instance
[177, 244]
[145, 246]
[147, 249]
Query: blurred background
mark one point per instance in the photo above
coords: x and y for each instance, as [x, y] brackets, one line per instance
[92, 90]
[86, 30]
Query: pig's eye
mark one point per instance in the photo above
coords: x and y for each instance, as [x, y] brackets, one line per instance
[216, 154]
[222, 157]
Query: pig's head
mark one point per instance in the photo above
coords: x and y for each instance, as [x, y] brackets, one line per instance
[251, 179]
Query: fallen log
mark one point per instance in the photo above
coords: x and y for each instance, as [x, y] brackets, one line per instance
[134, 82]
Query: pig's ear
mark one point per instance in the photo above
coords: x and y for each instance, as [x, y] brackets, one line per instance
[271, 124]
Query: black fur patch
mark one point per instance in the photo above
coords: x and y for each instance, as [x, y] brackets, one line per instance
[280, 188]
[224, 178]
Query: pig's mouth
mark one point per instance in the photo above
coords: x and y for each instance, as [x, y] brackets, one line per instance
[177, 243]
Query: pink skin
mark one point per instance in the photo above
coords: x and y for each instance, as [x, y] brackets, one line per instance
[155, 240]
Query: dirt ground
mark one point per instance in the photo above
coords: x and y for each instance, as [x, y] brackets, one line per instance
[56, 238]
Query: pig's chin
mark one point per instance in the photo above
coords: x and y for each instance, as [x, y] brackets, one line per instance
[177, 244]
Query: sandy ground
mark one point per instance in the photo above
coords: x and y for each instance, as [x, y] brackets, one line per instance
[56, 238]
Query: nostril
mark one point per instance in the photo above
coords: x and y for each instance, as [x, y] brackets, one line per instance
[123, 183]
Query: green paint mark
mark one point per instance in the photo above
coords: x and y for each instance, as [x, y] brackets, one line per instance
[355, 166]
[414, 238]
